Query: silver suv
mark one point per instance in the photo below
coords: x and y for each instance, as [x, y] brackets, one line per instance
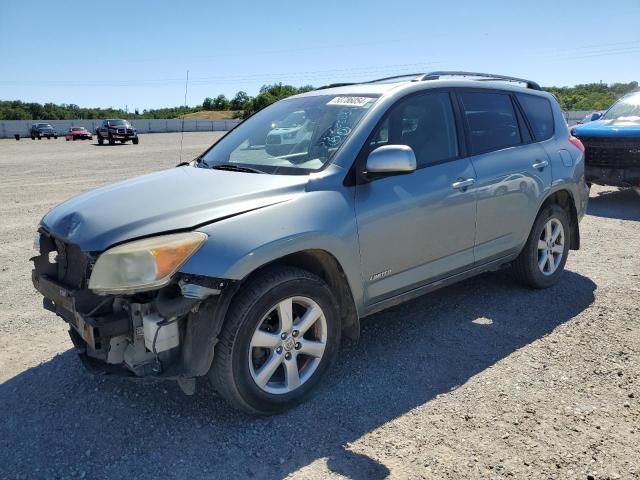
[249, 265]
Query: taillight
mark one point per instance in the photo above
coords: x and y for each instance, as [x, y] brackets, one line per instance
[577, 143]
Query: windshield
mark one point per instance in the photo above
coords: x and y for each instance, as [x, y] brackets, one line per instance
[76, 129]
[44, 125]
[624, 108]
[116, 123]
[263, 142]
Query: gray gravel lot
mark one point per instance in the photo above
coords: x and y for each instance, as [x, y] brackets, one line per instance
[485, 379]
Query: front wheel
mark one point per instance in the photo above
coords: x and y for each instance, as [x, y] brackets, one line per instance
[135, 141]
[111, 140]
[542, 260]
[281, 334]
[100, 140]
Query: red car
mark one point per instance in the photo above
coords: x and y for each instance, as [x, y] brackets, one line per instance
[75, 133]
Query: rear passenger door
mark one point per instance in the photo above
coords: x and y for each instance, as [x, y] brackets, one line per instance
[513, 172]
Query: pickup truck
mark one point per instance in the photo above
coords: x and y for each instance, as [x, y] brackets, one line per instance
[612, 144]
[116, 130]
[39, 130]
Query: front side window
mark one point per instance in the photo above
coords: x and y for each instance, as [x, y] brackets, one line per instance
[538, 111]
[627, 107]
[423, 122]
[491, 121]
[293, 136]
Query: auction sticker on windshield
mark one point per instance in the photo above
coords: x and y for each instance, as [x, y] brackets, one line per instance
[364, 102]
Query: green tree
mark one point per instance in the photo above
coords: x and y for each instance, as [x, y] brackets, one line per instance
[240, 101]
[221, 103]
[207, 104]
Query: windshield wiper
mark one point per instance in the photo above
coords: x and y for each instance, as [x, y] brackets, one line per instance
[235, 168]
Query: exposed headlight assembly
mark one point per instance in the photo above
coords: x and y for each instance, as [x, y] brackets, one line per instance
[143, 265]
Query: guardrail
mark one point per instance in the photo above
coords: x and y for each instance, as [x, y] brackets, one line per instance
[10, 128]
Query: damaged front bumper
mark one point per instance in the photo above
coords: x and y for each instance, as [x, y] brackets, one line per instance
[169, 333]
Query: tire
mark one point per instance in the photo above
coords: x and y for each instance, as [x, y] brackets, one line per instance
[135, 141]
[100, 140]
[67, 138]
[39, 137]
[238, 363]
[111, 140]
[526, 267]
[33, 137]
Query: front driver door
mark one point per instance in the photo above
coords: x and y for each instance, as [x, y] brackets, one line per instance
[419, 227]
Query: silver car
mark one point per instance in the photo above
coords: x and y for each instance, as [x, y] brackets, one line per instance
[249, 266]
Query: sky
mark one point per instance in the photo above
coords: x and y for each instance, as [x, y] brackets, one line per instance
[135, 54]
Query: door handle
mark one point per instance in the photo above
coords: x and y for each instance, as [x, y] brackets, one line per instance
[463, 183]
[541, 164]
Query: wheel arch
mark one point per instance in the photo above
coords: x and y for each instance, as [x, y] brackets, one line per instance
[328, 268]
[564, 198]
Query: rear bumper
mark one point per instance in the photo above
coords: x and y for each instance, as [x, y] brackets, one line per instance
[616, 177]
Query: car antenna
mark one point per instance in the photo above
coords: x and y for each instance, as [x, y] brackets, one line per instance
[186, 88]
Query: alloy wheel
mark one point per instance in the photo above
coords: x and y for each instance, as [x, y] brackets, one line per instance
[288, 345]
[551, 247]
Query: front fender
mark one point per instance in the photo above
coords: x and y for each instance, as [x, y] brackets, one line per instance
[319, 220]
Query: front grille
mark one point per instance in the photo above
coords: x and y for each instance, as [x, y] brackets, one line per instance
[274, 139]
[121, 131]
[129, 130]
[612, 152]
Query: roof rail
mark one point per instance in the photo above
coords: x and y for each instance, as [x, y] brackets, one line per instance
[481, 76]
[332, 85]
[416, 76]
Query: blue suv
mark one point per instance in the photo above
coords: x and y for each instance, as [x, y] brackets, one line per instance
[613, 144]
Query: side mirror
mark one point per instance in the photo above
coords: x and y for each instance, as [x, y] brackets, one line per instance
[595, 116]
[391, 160]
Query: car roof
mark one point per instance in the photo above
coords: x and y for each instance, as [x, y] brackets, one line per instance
[384, 86]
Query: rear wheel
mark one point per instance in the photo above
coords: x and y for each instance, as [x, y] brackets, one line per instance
[542, 260]
[67, 138]
[281, 334]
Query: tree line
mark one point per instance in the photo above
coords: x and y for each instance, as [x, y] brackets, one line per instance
[590, 97]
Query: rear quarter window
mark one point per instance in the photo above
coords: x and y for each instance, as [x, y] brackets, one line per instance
[540, 116]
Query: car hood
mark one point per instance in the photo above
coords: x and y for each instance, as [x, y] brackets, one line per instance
[619, 128]
[171, 200]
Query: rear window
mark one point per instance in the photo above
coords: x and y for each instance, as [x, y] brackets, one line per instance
[491, 121]
[538, 111]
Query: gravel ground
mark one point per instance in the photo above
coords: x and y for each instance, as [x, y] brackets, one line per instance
[484, 379]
